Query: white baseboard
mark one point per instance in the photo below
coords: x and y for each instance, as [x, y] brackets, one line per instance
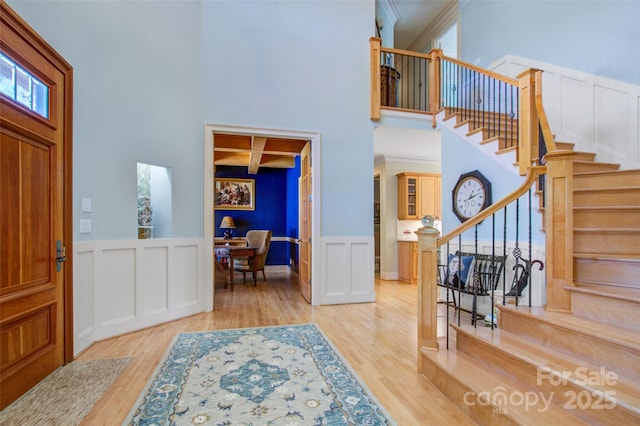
[389, 276]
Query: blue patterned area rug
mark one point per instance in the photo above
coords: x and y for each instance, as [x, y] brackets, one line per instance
[288, 375]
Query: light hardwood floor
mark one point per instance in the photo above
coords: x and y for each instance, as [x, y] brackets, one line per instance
[377, 339]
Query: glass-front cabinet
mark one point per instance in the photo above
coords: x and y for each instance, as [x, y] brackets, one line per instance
[419, 195]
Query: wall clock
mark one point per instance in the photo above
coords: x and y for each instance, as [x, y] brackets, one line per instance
[471, 194]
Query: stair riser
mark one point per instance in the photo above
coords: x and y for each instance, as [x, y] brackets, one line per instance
[469, 113]
[584, 156]
[565, 146]
[613, 243]
[598, 351]
[607, 272]
[503, 143]
[547, 385]
[489, 132]
[621, 313]
[594, 167]
[610, 198]
[492, 122]
[456, 391]
[608, 218]
[607, 180]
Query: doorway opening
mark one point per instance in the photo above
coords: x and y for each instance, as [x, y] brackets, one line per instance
[231, 152]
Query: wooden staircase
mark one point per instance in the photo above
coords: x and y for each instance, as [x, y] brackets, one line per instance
[580, 367]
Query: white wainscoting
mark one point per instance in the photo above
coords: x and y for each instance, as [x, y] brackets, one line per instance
[347, 270]
[598, 114]
[123, 286]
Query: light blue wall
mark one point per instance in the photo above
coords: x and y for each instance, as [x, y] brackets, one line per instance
[386, 33]
[137, 97]
[458, 157]
[299, 65]
[599, 37]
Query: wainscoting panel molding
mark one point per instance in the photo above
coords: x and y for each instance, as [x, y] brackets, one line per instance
[123, 286]
[598, 114]
[347, 270]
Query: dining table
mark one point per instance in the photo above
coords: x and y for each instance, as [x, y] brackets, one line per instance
[225, 255]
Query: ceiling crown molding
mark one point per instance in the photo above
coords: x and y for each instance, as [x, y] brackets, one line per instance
[390, 9]
[439, 25]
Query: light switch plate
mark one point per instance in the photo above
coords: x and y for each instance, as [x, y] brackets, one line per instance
[86, 205]
[85, 226]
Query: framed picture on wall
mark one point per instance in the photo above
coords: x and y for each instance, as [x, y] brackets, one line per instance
[235, 194]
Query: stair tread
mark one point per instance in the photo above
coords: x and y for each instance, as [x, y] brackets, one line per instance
[580, 325]
[474, 375]
[608, 230]
[556, 361]
[595, 162]
[605, 208]
[630, 293]
[611, 257]
[609, 188]
[604, 172]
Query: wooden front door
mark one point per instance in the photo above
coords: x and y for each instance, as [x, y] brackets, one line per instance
[36, 327]
[305, 222]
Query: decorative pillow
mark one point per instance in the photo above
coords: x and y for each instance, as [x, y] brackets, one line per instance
[457, 272]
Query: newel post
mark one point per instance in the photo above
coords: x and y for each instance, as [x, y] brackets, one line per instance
[434, 83]
[558, 218]
[374, 51]
[427, 288]
[528, 128]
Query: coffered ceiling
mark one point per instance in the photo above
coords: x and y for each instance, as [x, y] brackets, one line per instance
[254, 151]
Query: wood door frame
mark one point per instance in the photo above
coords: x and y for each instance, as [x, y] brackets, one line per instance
[209, 175]
[19, 26]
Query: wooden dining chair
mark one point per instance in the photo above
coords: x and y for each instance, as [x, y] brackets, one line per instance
[262, 240]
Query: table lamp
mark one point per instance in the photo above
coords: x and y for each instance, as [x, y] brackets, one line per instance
[227, 223]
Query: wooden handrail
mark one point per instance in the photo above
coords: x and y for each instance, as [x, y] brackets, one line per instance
[406, 52]
[533, 174]
[542, 116]
[477, 69]
[429, 56]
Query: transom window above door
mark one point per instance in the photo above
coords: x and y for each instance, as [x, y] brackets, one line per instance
[22, 87]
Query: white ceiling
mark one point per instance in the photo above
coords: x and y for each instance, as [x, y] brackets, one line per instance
[403, 144]
[415, 16]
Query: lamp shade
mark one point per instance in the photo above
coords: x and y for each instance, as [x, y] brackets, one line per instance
[227, 223]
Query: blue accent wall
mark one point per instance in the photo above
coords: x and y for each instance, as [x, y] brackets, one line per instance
[293, 203]
[276, 208]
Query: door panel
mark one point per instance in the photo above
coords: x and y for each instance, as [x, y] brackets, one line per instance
[35, 193]
[31, 292]
[305, 222]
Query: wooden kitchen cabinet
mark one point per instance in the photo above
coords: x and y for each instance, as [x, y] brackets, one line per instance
[419, 194]
[408, 261]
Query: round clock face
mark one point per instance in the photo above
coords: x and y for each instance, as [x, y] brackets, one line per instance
[470, 195]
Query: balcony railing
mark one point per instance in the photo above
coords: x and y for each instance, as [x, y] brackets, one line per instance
[502, 107]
